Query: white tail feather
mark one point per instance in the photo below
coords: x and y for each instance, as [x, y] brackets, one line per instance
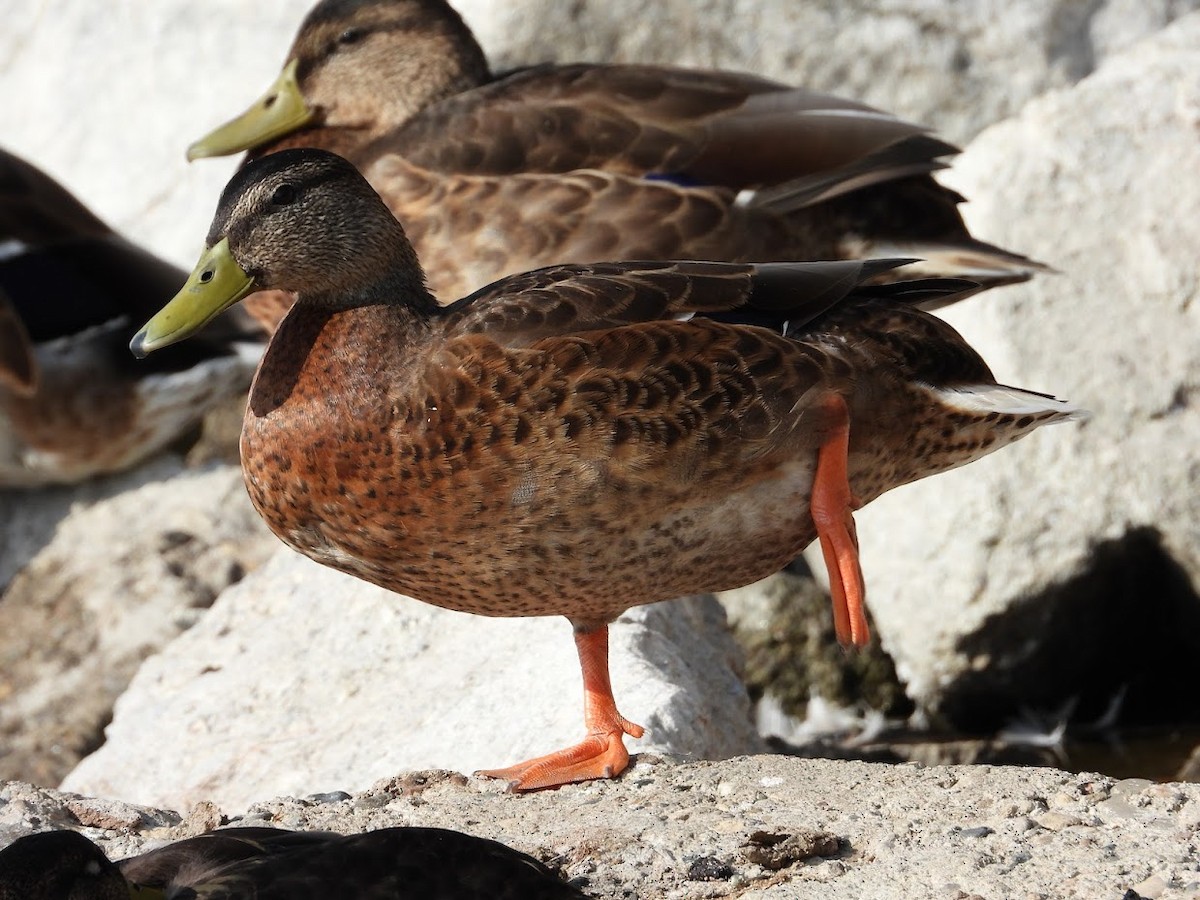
[1000, 398]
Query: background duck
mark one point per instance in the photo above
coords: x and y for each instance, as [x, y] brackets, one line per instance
[266, 863]
[72, 405]
[493, 175]
[580, 439]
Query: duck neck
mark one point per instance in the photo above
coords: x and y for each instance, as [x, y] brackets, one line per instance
[382, 321]
[401, 289]
[345, 342]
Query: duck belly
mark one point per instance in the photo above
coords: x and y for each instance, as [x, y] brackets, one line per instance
[493, 540]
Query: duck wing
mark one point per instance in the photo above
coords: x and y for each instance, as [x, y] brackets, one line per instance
[694, 127]
[574, 299]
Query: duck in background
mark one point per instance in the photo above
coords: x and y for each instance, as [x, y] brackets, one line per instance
[275, 864]
[72, 403]
[579, 439]
[493, 175]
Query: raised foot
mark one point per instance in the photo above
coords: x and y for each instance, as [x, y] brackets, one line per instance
[832, 508]
[601, 754]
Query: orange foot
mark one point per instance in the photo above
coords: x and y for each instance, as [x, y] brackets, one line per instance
[599, 755]
[602, 753]
[832, 507]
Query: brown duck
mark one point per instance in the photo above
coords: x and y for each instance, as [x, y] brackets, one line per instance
[582, 163]
[275, 864]
[71, 404]
[580, 439]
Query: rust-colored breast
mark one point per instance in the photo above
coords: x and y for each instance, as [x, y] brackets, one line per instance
[578, 476]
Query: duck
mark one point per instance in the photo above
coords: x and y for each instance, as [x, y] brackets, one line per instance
[278, 864]
[578, 439]
[72, 404]
[494, 175]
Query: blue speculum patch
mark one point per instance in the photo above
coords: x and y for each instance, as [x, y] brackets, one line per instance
[675, 178]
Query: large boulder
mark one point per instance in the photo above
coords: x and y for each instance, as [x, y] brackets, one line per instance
[301, 679]
[1068, 566]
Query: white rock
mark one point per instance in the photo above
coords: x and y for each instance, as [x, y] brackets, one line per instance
[117, 579]
[302, 680]
[28, 519]
[1103, 182]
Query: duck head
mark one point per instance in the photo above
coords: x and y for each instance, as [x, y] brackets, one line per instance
[365, 65]
[300, 220]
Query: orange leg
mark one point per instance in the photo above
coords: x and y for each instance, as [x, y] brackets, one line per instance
[832, 509]
[602, 753]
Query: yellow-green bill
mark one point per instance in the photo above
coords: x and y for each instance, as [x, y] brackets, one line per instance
[281, 110]
[215, 284]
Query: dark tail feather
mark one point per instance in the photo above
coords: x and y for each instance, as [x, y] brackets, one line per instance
[913, 156]
[986, 265]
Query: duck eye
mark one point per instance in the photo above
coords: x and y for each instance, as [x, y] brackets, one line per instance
[351, 36]
[284, 194]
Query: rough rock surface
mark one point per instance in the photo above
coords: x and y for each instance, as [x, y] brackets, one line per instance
[118, 580]
[28, 519]
[755, 827]
[301, 679]
[1069, 565]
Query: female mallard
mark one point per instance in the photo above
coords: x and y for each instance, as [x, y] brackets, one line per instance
[583, 163]
[580, 439]
[274, 864]
[71, 404]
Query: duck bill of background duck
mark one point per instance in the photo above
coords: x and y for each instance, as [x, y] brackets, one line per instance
[281, 110]
[215, 284]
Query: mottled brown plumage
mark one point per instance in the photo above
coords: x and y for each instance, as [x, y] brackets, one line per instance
[275, 864]
[580, 439]
[72, 402]
[583, 163]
